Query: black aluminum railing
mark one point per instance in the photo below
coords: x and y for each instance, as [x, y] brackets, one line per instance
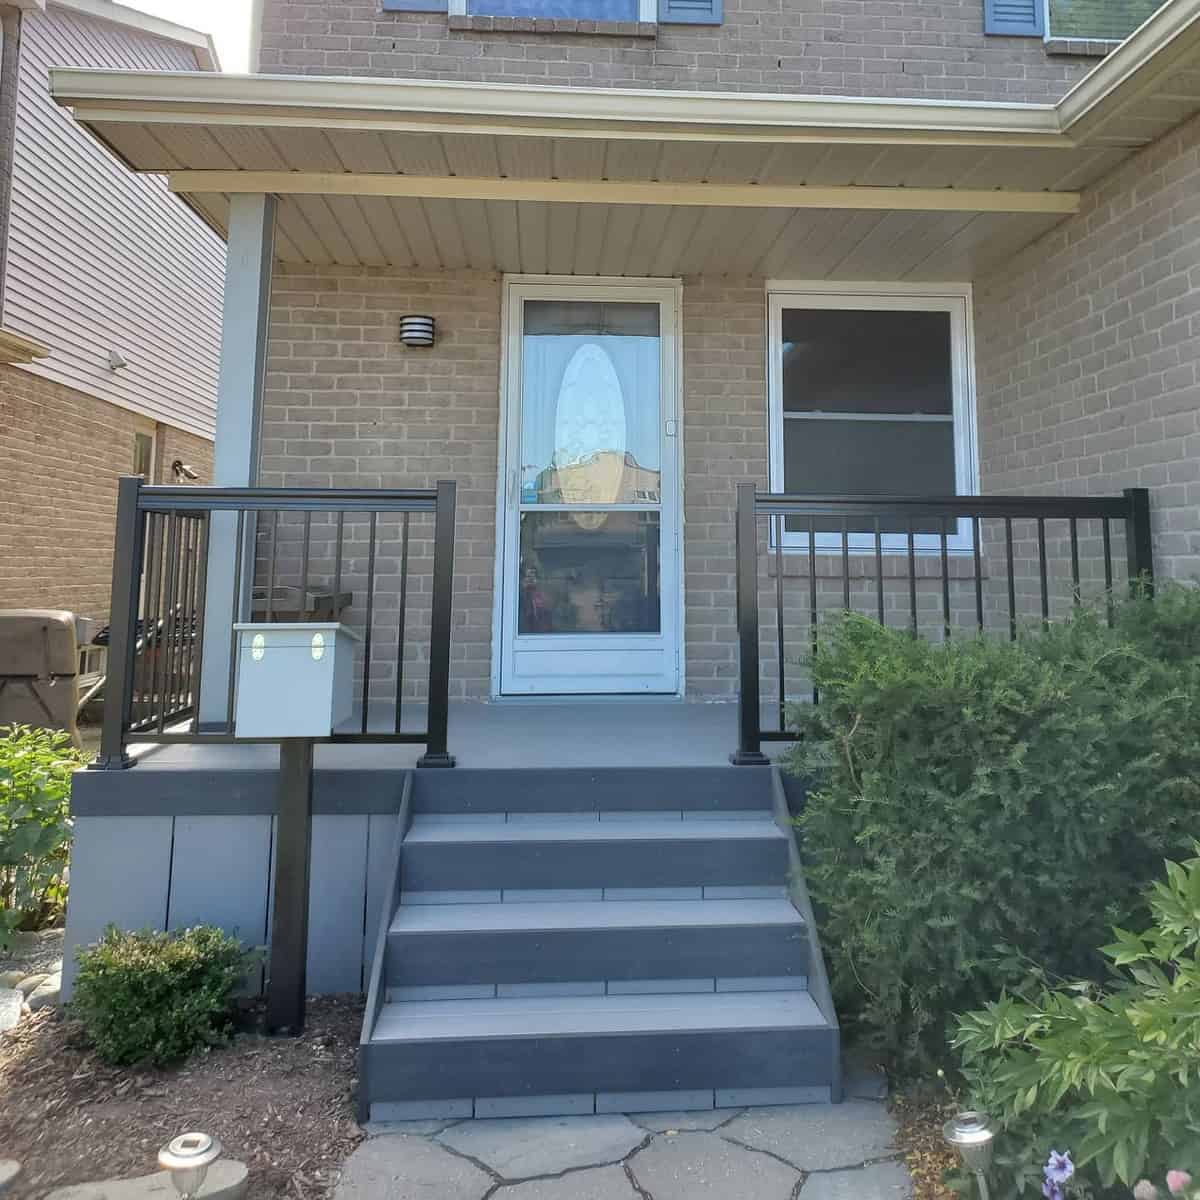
[933, 565]
[379, 561]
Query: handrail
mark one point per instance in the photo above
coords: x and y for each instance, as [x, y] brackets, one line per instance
[166, 540]
[815, 512]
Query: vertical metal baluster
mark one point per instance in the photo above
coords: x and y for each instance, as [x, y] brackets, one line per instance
[978, 565]
[183, 667]
[197, 631]
[812, 596]
[778, 522]
[1108, 574]
[366, 683]
[337, 561]
[271, 565]
[1076, 587]
[1012, 581]
[845, 564]
[304, 562]
[912, 578]
[945, 581]
[165, 653]
[239, 558]
[150, 609]
[879, 572]
[1041, 533]
[400, 625]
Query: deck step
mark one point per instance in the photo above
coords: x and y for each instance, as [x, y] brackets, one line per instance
[579, 789]
[462, 1050]
[597, 940]
[470, 853]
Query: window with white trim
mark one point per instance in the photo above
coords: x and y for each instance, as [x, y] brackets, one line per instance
[870, 394]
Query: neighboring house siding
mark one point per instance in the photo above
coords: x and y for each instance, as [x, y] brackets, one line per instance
[62, 452]
[1087, 347]
[101, 259]
[851, 48]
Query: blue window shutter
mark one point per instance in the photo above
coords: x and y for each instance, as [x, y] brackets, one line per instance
[689, 12]
[414, 5]
[1017, 18]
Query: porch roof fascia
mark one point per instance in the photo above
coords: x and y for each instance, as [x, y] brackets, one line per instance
[432, 106]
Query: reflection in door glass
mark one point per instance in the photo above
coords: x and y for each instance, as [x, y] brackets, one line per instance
[590, 428]
[589, 572]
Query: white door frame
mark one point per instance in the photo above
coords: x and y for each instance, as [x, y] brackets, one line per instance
[669, 293]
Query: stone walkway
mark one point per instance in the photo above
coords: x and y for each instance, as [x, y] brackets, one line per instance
[815, 1151]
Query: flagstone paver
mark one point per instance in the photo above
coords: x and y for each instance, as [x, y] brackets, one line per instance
[522, 1148]
[599, 1183]
[398, 1167]
[802, 1152]
[703, 1166]
[818, 1137]
[880, 1181]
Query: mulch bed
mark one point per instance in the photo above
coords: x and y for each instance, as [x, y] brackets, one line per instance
[920, 1119]
[283, 1106]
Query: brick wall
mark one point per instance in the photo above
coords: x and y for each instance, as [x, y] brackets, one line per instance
[60, 455]
[850, 48]
[1087, 347]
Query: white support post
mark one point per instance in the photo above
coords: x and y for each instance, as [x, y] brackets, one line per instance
[248, 267]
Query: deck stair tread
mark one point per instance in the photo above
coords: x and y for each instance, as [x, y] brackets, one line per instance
[591, 914]
[581, 1016]
[434, 829]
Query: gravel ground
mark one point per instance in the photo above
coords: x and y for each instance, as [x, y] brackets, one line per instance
[36, 953]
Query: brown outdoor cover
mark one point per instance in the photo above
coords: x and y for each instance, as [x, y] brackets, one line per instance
[39, 667]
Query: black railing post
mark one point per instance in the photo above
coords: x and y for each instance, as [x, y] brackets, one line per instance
[749, 752]
[1139, 544]
[436, 748]
[122, 635]
[286, 968]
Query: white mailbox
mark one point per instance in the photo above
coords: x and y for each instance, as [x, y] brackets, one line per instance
[295, 679]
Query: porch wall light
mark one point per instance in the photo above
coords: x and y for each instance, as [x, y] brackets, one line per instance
[417, 330]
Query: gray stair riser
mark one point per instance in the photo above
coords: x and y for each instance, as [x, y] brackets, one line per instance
[658, 862]
[581, 790]
[535, 1066]
[535, 956]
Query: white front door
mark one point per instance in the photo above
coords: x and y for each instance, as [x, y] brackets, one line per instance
[589, 594]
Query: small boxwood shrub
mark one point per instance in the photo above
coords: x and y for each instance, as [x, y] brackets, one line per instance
[156, 997]
[981, 811]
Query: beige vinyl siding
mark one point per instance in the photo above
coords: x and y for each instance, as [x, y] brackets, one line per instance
[101, 259]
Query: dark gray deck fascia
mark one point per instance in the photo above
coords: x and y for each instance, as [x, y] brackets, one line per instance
[200, 791]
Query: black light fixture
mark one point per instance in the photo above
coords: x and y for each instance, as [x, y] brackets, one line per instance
[416, 330]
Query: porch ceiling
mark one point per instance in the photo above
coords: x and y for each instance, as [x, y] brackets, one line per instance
[414, 173]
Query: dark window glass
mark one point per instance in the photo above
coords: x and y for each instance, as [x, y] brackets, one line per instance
[841, 360]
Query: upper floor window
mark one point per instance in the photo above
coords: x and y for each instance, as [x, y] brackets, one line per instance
[667, 12]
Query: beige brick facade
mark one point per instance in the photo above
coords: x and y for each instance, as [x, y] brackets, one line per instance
[1087, 347]
[847, 48]
[61, 453]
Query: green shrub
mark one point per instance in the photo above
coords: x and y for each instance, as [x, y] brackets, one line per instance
[157, 997]
[36, 766]
[980, 810]
[1110, 1072]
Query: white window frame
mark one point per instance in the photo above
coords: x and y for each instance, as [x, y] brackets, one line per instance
[955, 299]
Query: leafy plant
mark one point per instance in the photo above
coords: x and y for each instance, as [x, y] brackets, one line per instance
[981, 812]
[156, 997]
[36, 766]
[1113, 1071]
